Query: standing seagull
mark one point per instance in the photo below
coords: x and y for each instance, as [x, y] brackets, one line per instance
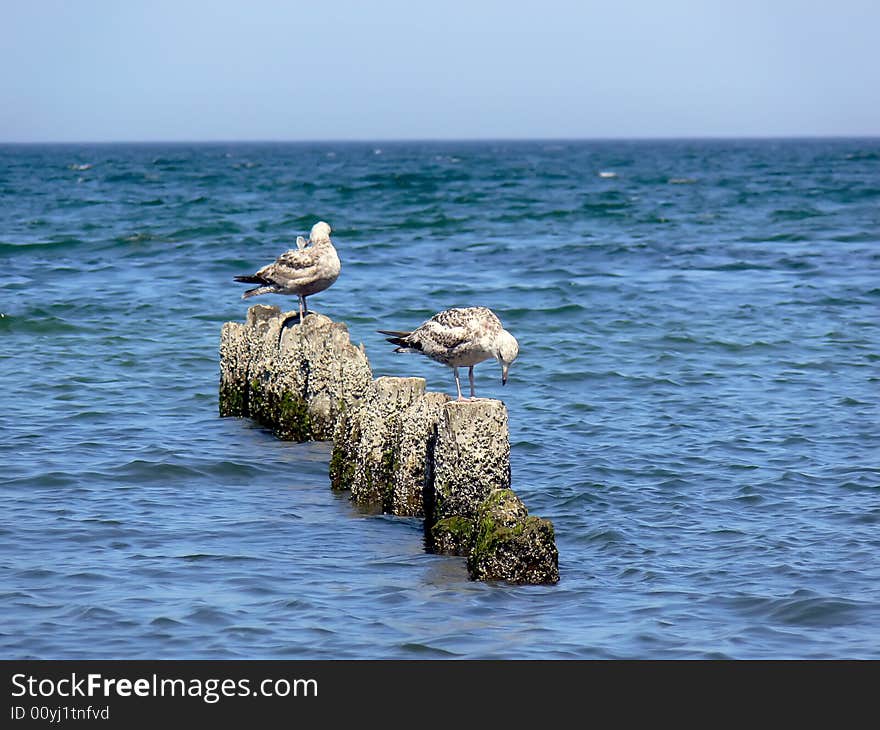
[303, 271]
[459, 338]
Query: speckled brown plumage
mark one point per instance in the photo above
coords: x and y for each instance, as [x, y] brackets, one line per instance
[303, 271]
[460, 337]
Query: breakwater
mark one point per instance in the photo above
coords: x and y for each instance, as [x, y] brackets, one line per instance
[396, 447]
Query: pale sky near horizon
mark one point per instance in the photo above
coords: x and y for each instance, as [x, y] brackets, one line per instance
[188, 70]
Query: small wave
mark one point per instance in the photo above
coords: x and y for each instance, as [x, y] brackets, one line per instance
[860, 156]
[219, 228]
[418, 649]
[795, 214]
[839, 302]
[740, 346]
[749, 499]
[139, 237]
[859, 237]
[777, 238]
[678, 339]
[150, 472]
[814, 611]
[441, 222]
[301, 223]
[605, 537]
[88, 577]
[31, 246]
[39, 573]
[737, 266]
[230, 469]
[100, 521]
[92, 612]
[795, 264]
[416, 181]
[209, 615]
[569, 376]
[556, 312]
[198, 557]
[124, 177]
[858, 486]
[171, 163]
[854, 194]
[12, 595]
[39, 324]
[613, 205]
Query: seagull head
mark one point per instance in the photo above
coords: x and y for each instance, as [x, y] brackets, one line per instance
[508, 350]
[320, 233]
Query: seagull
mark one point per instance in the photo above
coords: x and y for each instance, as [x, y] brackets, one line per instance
[460, 337]
[303, 271]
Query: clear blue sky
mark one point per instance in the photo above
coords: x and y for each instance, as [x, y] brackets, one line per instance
[108, 70]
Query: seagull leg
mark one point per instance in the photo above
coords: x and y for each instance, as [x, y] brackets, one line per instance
[471, 378]
[457, 383]
[302, 301]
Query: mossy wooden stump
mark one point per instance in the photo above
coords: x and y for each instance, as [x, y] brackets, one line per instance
[471, 458]
[398, 448]
[471, 509]
[295, 378]
[376, 457]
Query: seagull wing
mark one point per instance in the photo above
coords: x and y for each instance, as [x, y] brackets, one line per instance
[435, 336]
[291, 267]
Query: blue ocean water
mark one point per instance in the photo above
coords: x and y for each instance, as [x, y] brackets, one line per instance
[695, 405]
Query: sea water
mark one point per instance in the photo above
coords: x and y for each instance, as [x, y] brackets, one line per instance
[695, 405]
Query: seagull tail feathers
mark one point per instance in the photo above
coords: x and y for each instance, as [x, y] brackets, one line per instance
[398, 338]
[259, 290]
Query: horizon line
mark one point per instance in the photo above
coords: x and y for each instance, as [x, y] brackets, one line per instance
[467, 140]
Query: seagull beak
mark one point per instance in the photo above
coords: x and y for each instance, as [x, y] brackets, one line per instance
[504, 369]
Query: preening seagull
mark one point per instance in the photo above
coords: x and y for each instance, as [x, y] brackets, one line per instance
[303, 271]
[460, 337]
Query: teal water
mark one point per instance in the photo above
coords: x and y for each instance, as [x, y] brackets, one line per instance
[695, 405]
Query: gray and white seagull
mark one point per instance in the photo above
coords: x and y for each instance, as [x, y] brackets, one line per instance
[308, 269]
[460, 337]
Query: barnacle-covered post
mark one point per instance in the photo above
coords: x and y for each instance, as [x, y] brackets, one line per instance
[398, 448]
